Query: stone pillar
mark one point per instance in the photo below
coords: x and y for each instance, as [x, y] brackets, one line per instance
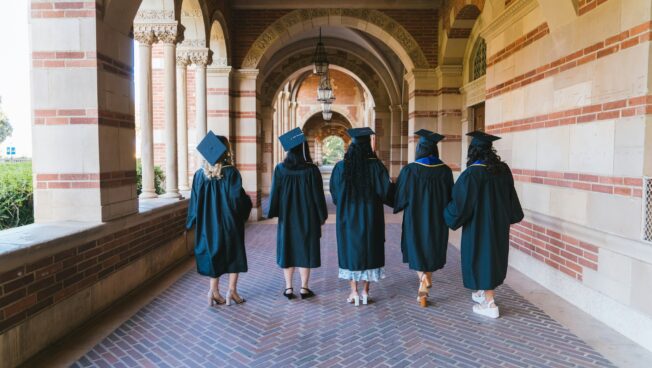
[449, 113]
[145, 40]
[267, 115]
[247, 135]
[396, 147]
[169, 40]
[421, 104]
[182, 121]
[217, 100]
[200, 59]
[292, 114]
[382, 122]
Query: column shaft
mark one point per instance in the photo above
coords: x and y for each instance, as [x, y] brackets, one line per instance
[170, 101]
[145, 116]
[182, 124]
[200, 102]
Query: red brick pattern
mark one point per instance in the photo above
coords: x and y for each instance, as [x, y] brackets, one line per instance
[459, 33]
[585, 6]
[64, 59]
[631, 37]
[562, 252]
[434, 92]
[626, 186]
[422, 25]
[247, 25]
[435, 114]
[83, 116]
[519, 44]
[62, 9]
[85, 180]
[461, 9]
[634, 106]
[33, 287]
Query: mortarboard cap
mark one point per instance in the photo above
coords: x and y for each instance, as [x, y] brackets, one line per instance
[357, 133]
[212, 148]
[428, 136]
[482, 138]
[292, 139]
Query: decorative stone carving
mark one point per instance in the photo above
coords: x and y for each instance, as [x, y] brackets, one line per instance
[153, 15]
[379, 19]
[193, 43]
[200, 57]
[145, 36]
[182, 59]
[167, 34]
[220, 61]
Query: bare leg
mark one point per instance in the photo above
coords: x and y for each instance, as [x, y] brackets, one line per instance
[233, 285]
[305, 277]
[429, 278]
[489, 295]
[215, 285]
[365, 287]
[354, 287]
[288, 273]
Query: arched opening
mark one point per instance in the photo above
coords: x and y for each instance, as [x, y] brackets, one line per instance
[332, 150]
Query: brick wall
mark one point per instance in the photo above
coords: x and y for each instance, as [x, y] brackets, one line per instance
[41, 284]
[422, 25]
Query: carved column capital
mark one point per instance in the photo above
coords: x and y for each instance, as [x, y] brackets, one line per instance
[144, 36]
[200, 57]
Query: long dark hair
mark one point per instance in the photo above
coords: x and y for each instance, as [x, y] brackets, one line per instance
[295, 159]
[356, 166]
[425, 150]
[488, 156]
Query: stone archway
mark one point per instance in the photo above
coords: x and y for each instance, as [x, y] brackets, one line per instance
[370, 21]
[316, 130]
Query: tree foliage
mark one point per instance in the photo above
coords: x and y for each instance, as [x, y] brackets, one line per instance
[333, 150]
[16, 195]
[5, 127]
[159, 178]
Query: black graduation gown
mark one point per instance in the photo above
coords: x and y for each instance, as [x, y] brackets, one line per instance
[220, 209]
[360, 222]
[297, 199]
[485, 205]
[422, 193]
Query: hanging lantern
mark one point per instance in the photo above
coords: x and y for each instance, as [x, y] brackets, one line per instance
[326, 106]
[325, 91]
[320, 60]
[327, 115]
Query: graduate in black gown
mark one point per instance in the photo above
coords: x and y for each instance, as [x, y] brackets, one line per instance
[423, 190]
[219, 208]
[297, 199]
[485, 204]
[359, 186]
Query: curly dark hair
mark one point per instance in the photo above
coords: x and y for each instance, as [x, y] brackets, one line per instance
[488, 155]
[295, 160]
[426, 149]
[356, 166]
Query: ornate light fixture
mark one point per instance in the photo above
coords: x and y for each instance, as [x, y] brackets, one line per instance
[325, 92]
[327, 115]
[320, 60]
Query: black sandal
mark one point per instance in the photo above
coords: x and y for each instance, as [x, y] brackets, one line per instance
[307, 295]
[290, 296]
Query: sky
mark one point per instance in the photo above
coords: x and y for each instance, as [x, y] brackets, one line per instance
[14, 74]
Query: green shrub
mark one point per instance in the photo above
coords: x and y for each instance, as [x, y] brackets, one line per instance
[16, 194]
[159, 178]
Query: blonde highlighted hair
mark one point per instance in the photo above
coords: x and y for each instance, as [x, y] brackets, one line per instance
[215, 171]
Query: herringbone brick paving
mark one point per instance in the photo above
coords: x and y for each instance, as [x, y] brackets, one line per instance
[177, 329]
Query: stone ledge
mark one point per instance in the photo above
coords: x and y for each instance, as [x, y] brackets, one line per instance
[27, 243]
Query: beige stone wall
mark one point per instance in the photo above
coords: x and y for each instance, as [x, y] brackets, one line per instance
[569, 94]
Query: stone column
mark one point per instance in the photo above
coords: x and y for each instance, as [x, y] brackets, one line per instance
[422, 104]
[247, 135]
[182, 121]
[217, 100]
[145, 40]
[449, 113]
[396, 147]
[200, 59]
[169, 40]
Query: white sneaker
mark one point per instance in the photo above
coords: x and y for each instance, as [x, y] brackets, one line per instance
[478, 296]
[487, 309]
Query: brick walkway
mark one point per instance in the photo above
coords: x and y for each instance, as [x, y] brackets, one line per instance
[178, 330]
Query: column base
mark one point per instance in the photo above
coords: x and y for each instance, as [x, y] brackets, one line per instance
[148, 195]
[170, 195]
[184, 189]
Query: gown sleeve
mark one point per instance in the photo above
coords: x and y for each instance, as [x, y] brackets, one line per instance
[384, 187]
[334, 182]
[516, 213]
[242, 202]
[272, 211]
[401, 200]
[465, 194]
[192, 205]
[318, 194]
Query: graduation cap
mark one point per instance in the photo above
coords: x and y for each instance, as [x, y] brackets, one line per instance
[358, 133]
[482, 138]
[212, 147]
[292, 139]
[428, 137]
